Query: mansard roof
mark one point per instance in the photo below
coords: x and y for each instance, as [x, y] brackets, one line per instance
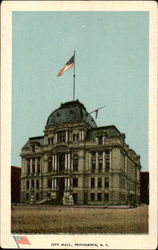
[109, 131]
[68, 112]
[37, 139]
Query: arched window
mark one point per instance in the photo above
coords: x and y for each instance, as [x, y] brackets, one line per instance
[62, 162]
[49, 140]
[107, 163]
[75, 162]
[50, 164]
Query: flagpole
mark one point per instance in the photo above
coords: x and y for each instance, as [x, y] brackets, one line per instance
[74, 79]
[16, 241]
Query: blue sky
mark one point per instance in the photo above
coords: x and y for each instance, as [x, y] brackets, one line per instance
[111, 69]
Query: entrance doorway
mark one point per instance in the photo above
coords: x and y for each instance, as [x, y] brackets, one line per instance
[75, 198]
[61, 188]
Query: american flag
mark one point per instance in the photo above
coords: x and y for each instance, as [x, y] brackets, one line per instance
[67, 66]
[22, 240]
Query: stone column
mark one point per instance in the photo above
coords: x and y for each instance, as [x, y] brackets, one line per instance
[66, 136]
[96, 139]
[96, 182]
[103, 162]
[55, 138]
[103, 140]
[110, 162]
[35, 165]
[66, 162]
[55, 183]
[80, 135]
[31, 166]
[55, 162]
[66, 183]
[89, 161]
[52, 183]
[97, 159]
[23, 170]
[40, 185]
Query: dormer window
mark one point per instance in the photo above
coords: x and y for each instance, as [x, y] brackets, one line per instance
[76, 137]
[33, 148]
[61, 136]
[100, 140]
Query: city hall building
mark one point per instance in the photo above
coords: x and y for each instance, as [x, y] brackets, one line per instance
[77, 163]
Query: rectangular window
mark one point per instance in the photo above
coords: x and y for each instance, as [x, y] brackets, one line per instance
[75, 182]
[37, 184]
[92, 182]
[107, 163]
[32, 184]
[92, 197]
[106, 197]
[33, 166]
[28, 169]
[99, 182]
[50, 164]
[107, 182]
[99, 196]
[93, 165]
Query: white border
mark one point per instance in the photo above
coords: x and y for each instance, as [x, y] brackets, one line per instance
[43, 241]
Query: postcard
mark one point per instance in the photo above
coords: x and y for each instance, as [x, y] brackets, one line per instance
[79, 125]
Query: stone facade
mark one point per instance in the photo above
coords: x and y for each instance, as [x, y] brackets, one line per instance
[76, 162]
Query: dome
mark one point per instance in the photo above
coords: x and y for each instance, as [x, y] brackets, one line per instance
[73, 111]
